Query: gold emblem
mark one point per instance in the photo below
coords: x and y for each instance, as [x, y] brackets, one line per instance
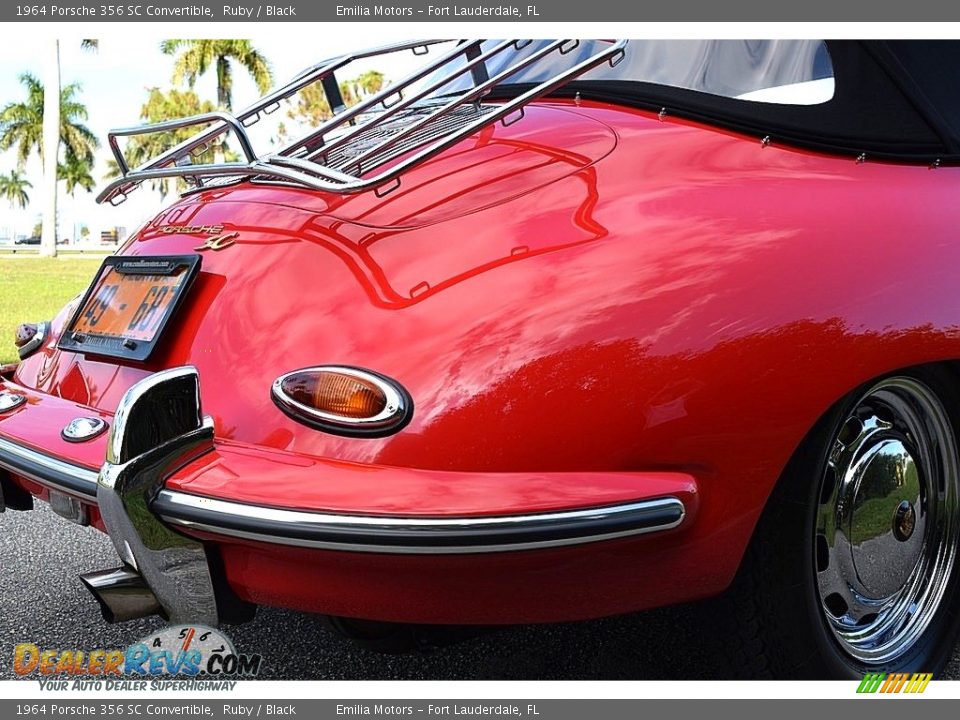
[218, 242]
[192, 229]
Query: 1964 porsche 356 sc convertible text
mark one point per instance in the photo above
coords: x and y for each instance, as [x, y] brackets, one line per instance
[546, 330]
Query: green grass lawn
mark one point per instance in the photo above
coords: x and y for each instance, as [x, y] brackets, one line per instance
[34, 289]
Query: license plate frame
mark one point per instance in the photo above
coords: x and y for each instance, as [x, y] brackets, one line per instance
[118, 345]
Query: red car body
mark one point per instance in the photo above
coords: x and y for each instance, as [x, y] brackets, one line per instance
[592, 307]
[669, 318]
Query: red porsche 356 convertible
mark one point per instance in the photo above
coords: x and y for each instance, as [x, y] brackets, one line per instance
[543, 331]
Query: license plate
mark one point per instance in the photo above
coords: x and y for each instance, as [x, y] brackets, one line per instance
[128, 305]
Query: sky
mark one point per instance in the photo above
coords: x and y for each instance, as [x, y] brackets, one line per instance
[114, 83]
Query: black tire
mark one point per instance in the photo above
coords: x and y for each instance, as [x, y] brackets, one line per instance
[782, 629]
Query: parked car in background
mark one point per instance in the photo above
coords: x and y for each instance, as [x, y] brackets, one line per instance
[546, 331]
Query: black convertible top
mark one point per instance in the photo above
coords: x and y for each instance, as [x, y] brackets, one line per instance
[895, 100]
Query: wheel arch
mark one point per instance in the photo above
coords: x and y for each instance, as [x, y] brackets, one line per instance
[950, 369]
[764, 636]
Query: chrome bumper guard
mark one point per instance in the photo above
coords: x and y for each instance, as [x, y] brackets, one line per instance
[159, 428]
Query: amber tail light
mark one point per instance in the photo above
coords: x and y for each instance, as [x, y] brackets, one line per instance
[343, 400]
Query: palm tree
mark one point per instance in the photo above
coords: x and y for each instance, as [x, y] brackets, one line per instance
[368, 83]
[51, 128]
[13, 188]
[53, 119]
[75, 172]
[50, 152]
[197, 56]
[26, 126]
[21, 123]
[312, 106]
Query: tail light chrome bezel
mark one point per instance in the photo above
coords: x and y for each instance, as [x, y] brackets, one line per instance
[397, 411]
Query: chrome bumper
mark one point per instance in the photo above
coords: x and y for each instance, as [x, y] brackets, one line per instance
[360, 533]
[48, 471]
[159, 428]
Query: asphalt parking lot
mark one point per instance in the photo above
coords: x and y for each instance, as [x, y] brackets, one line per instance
[43, 602]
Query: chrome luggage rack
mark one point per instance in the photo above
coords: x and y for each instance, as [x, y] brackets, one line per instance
[354, 150]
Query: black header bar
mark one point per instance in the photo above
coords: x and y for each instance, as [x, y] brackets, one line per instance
[481, 11]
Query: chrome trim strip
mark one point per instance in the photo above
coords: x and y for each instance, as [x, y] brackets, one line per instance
[49, 471]
[406, 535]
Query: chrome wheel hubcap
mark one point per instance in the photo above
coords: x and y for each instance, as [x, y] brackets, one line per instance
[886, 528]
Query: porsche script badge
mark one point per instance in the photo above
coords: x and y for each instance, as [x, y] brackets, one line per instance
[218, 239]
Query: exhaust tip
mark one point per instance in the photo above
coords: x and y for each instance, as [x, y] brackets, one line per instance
[122, 594]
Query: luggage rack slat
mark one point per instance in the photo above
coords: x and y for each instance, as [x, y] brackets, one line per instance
[306, 161]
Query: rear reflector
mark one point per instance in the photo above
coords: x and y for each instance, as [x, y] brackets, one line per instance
[343, 400]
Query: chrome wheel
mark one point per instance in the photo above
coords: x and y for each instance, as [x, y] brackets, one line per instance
[886, 525]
